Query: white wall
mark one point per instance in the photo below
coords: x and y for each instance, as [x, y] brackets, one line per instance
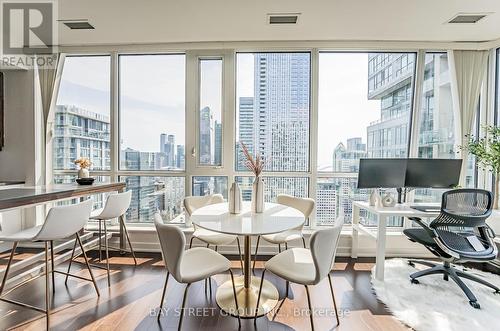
[17, 158]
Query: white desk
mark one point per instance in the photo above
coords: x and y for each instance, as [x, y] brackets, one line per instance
[401, 210]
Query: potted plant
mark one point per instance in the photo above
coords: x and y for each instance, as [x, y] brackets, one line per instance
[487, 153]
[84, 164]
[255, 165]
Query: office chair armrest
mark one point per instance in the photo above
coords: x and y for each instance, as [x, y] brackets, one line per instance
[490, 232]
[424, 226]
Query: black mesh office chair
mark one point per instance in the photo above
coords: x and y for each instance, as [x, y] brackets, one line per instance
[458, 234]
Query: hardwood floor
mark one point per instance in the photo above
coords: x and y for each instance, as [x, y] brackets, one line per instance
[132, 300]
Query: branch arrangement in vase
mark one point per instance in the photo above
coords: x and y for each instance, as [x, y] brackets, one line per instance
[255, 165]
[487, 152]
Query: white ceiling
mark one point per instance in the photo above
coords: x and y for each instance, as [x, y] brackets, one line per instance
[162, 21]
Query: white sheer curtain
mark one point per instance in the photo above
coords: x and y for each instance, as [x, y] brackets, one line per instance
[49, 80]
[468, 72]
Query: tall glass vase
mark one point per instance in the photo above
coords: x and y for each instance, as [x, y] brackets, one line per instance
[258, 195]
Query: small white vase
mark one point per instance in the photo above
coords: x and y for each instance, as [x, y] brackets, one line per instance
[374, 197]
[83, 173]
[258, 195]
[235, 200]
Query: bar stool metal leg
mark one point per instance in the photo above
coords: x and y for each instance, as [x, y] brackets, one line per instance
[4, 280]
[128, 238]
[52, 265]
[87, 263]
[47, 312]
[107, 251]
[70, 261]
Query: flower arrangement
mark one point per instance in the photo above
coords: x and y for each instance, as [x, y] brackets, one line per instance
[255, 165]
[83, 162]
[487, 153]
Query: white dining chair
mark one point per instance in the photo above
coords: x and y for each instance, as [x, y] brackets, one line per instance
[115, 207]
[209, 237]
[306, 206]
[307, 266]
[188, 266]
[60, 223]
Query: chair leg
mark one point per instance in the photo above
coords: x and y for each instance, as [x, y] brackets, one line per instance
[477, 280]
[255, 255]
[235, 298]
[216, 248]
[52, 265]
[333, 297]
[287, 287]
[47, 307]
[128, 240]
[4, 280]
[163, 295]
[279, 248]
[107, 251]
[304, 242]
[87, 263]
[191, 242]
[286, 246]
[209, 279]
[100, 241]
[428, 264]
[435, 270]
[258, 296]
[310, 309]
[71, 261]
[239, 251]
[183, 304]
[472, 298]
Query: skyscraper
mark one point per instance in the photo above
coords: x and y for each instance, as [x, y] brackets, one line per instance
[180, 161]
[206, 135]
[346, 159]
[281, 110]
[218, 144]
[246, 127]
[167, 147]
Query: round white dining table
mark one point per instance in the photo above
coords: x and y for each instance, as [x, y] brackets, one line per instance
[275, 218]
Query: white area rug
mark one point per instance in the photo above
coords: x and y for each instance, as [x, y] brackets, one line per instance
[435, 304]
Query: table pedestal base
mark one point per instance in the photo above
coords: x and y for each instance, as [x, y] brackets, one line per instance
[247, 297]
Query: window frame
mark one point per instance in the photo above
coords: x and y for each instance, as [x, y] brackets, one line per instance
[228, 53]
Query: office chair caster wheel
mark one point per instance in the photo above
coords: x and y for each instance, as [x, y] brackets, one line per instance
[414, 281]
[411, 264]
[496, 292]
[475, 304]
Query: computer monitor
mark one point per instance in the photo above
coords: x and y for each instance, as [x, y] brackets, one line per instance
[433, 173]
[381, 173]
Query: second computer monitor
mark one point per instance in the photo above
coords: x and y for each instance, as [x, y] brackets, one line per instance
[433, 173]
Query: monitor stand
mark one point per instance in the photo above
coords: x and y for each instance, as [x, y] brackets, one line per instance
[401, 194]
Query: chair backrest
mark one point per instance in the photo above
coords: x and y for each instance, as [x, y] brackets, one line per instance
[116, 205]
[324, 247]
[64, 221]
[467, 208]
[172, 242]
[305, 205]
[192, 203]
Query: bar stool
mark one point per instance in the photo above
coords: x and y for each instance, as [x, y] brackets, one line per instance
[115, 207]
[60, 223]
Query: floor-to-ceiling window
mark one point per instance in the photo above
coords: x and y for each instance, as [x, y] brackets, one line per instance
[364, 111]
[152, 133]
[82, 126]
[273, 120]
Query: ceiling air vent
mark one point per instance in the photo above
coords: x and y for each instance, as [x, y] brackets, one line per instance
[78, 25]
[283, 18]
[467, 18]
